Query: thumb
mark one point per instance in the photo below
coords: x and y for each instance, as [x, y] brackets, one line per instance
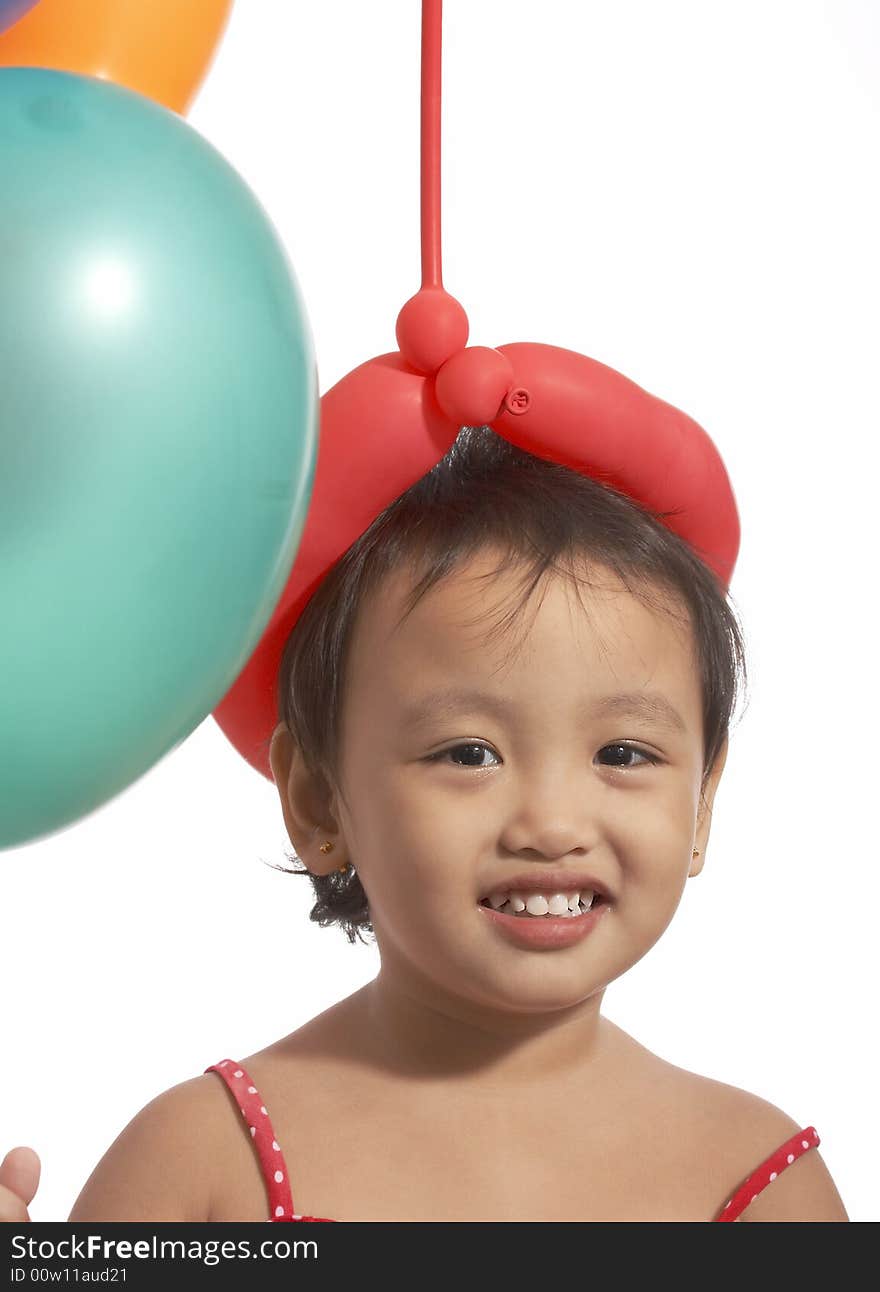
[20, 1172]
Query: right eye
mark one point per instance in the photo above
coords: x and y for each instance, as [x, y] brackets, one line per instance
[472, 746]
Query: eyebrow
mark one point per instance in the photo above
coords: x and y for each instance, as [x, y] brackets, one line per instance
[447, 701]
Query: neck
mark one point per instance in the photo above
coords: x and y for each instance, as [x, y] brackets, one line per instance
[414, 1030]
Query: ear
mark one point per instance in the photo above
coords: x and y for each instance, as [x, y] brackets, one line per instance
[306, 803]
[704, 814]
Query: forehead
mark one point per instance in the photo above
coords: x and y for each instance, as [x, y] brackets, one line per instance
[474, 628]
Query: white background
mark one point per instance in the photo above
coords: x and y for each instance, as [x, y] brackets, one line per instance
[687, 192]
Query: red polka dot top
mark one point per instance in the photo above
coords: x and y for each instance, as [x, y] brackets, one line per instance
[274, 1168]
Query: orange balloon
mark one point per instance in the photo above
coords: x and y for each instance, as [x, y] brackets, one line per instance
[161, 48]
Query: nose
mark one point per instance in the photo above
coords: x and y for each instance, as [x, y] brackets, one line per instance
[552, 814]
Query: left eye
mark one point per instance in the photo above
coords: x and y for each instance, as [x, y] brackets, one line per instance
[475, 748]
[631, 749]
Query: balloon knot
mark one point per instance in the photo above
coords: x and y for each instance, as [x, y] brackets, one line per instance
[473, 385]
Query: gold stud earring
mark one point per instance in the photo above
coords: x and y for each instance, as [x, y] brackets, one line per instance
[696, 852]
[327, 846]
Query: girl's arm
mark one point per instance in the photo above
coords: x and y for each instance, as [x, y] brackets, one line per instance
[158, 1168]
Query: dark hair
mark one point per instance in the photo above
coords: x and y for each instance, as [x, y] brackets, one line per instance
[486, 493]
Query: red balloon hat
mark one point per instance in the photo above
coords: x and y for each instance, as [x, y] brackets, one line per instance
[391, 420]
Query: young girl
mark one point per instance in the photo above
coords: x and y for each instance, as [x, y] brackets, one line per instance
[503, 719]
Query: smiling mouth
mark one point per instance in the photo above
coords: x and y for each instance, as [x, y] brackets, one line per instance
[507, 909]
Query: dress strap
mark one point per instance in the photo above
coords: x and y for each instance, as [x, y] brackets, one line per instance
[259, 1124]
[774, 1165]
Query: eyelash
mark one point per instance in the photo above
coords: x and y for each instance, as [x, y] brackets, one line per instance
[478, 744]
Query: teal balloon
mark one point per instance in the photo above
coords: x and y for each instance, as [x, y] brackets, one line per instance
[158, 438]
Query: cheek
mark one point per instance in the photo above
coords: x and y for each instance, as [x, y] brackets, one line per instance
[414, 854]
[655, 835]
[653, 892]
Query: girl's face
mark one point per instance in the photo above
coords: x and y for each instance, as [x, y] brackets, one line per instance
[442, 801]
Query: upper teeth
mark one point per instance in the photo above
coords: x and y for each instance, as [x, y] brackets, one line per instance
[542, 903]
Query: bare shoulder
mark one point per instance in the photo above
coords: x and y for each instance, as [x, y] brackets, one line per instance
[804, 1190]
[159, 1166]
[739, 1130]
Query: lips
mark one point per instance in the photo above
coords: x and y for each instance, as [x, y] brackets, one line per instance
[544, 932]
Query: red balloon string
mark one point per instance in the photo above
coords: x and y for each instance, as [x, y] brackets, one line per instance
[432, 261]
